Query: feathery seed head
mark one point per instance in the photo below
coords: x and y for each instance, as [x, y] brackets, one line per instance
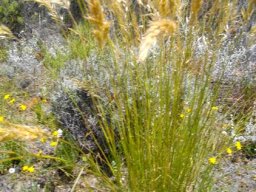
[158, 29]
[195, 7]
[10, 131]
[168, 8]
[50, 6]
[97, 18]
[5, 32]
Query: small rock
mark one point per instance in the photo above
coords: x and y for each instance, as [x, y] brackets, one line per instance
[25, 83]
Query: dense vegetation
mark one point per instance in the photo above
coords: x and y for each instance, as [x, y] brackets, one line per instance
[10, 14]
[148, 96]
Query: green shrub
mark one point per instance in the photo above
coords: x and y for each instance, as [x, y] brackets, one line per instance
[249, 149]
[10, 14]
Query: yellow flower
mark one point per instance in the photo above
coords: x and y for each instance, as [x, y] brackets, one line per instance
[53, 144]
[44, 100]
[25, 168]
[12, 101]
[23, 107]
[55, 133]
[229, 151]
[1, 119]
[39, 153]
[238, 145]
[212, 160]
[31, 169]
[188, 110]
[215, 108]
[7, 96]
[182, 115]
[43, 140]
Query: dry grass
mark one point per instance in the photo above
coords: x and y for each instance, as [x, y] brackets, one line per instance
[97, 18]
[51, 7]
[5, 32]
[168, 8]
[158, 29]
[195, 7]
[167, 125]
[10, 131]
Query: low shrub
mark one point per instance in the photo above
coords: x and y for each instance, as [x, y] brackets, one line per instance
[10, 14]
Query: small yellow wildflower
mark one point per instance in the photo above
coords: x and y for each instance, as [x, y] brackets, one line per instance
[53, 144]
[229, 151]
[182, 115]
[55, 133]
[238, 145]
[43, 140]
[31, 169]
[44, 100]
[25, 168]
[188, 110]
[7, 96]
[212, 160]
[12, 101]
[1, 119]
[39, 153]
[23, 107]
[215, 108]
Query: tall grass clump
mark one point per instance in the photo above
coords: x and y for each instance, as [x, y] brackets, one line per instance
[155, 86]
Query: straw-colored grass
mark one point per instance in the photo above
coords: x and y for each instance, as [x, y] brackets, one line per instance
[50, 5]
[10, 131]
[97, 18]
[158, 29]
[5, 32]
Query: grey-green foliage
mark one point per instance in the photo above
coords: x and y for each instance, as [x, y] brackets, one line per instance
[10, 14]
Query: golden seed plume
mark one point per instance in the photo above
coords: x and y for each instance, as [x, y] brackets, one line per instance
[97, 18]
[158, 29]
[5, 32]
[252, 2]
[119, 9]
[195, 7]
[168, 8]
[10, 131]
